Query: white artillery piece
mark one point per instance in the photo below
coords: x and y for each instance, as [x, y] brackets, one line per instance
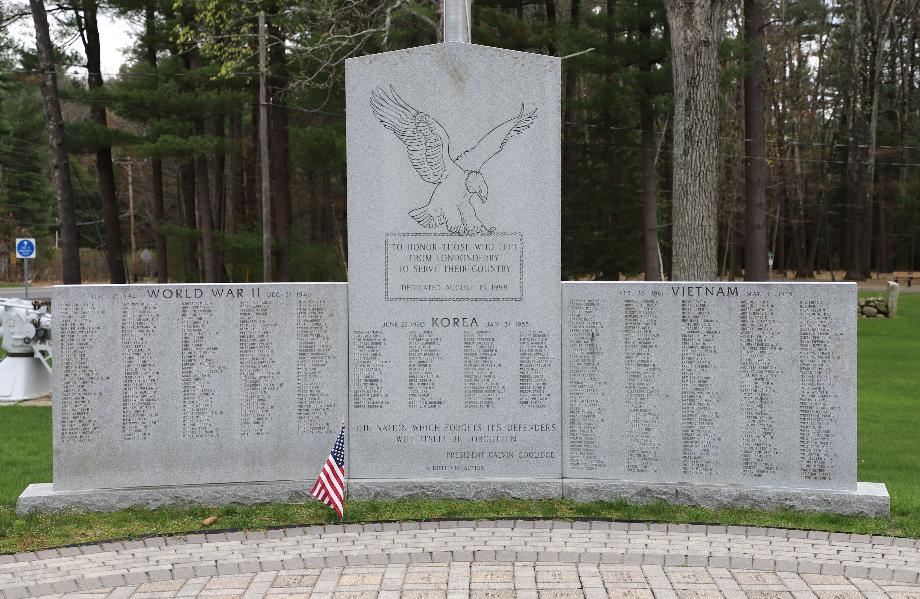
[25, 372]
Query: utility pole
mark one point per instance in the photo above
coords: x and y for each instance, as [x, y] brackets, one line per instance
[132, 264]
[263, 153]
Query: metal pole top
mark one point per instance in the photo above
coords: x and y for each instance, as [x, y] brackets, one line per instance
[457, 17]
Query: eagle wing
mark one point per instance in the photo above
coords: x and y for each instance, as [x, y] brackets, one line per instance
[426, 140]
[493, 141]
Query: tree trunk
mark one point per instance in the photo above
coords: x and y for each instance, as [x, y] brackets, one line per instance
[853, 237]
[315, 202]
[779, 118]
[696, 27]
[804, 266]
[253, 164]
[649, 174]
[868, 210]
[611, 158]
[798, 257]
[811, 253]
[60, 161]
[236, 172]
[220, 174]
[884, 262]
[220, 186]
[780, 245]
[156, 165]
[159, 220]
[755, 168]
[203, 192]
[551, 19]
[187, 179]
[881, 29]
[668, 174]
[205, 219]
[570, 93]
[105, 169]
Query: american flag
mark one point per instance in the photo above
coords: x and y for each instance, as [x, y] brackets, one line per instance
[330, 485]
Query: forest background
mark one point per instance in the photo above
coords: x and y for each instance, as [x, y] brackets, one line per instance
[165, 156]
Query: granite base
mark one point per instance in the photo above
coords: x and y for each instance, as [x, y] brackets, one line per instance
[42, 498]
[501, 488]
[868, 499]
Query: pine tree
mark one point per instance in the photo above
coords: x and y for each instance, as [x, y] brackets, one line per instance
[696, 28]
[60, 161]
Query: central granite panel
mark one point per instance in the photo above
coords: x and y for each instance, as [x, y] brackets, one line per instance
[722, 383]
[454, 264]
[159, 385]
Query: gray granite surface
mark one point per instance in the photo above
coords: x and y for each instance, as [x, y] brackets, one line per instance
[454, 263]
[728, 383]
[477, 489]
[892, 290]
[867, 499]
[44, 498]
[193, 384]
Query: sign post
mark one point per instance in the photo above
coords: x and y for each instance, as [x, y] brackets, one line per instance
[25, 249]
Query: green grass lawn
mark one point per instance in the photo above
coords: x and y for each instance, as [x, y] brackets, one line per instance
[25, 449]
[888, 385]
[889, 451]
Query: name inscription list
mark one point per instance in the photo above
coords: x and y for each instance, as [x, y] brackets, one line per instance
[727, 383]
[171, 385]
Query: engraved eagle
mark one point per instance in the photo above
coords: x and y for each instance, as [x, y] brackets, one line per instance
[456, 179]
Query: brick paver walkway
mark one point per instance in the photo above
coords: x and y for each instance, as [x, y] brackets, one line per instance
[485, 560]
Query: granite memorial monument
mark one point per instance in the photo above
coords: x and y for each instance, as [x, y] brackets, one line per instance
[717, 394]
[465, 367]
[454, 265]
[172, 394]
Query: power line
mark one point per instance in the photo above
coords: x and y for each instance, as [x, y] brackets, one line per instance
[791, 142]
[121, 75]
[767, 158]
[25, 141]
[614, 146]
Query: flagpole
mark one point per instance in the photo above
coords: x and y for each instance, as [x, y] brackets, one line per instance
[457, 20]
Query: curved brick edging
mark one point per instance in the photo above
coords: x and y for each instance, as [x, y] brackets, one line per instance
[71, 569]
[511, 580]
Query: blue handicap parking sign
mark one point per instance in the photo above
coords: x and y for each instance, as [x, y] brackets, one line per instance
[25, 248]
